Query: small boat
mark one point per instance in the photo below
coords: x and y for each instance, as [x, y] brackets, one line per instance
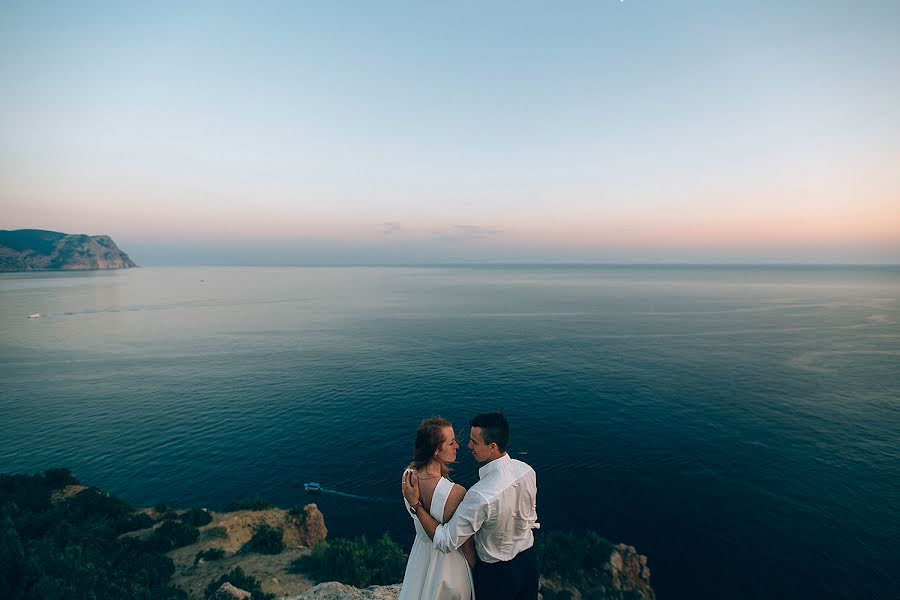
[35, 316]
[313, 487]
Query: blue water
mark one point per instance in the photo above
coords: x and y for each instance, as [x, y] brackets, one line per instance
[739, 425]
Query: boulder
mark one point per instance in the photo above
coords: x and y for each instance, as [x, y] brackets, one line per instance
[229, 592]
[629, 572]
[333, 590]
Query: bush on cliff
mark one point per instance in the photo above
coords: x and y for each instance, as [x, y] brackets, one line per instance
[298, 511]
[98, 510]
[238, 579]
[72, 548]
[59, 478]
[358, 562]
[198, 517]
[579, 560]
[172, 535]
[247, 504]
[139, 521]
[265, 540]
[209, 554]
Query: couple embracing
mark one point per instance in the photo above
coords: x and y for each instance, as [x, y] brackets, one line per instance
[476, 543]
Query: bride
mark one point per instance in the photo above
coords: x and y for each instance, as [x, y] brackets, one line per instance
[431, 574]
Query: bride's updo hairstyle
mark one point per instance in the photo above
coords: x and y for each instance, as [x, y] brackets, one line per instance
[428, 439]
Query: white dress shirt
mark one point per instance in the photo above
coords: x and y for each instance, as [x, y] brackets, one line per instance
[500, 508]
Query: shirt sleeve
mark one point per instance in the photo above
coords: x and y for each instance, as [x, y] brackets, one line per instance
[470, 515]
[526, 515]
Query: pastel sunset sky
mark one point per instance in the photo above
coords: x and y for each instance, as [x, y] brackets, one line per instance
[410, 132]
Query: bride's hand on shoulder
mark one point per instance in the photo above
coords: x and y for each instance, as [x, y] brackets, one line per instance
[410, 487]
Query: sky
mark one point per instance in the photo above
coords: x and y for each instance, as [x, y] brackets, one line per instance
[388, 132]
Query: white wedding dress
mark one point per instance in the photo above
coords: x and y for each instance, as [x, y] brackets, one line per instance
[430, 573]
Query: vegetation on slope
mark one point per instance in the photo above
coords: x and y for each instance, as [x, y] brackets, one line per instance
[358, 562]
[74, 548]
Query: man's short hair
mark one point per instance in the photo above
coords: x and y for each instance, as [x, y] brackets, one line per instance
[494, 428]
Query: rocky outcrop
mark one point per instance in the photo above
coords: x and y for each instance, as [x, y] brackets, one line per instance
[626, 576]
[230, 532]
[628, 572]
[310, 525]
[623, 575]
[333, 590]
[229, 592]
[39, 250]
[298, 530]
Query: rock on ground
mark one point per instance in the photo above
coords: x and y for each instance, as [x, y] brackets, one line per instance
[229, 592]
[629, 572]
[333, 590]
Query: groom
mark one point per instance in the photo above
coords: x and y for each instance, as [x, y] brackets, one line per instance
[499, 511]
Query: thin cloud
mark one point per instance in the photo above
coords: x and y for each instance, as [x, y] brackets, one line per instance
[391, 228]
[467, 232]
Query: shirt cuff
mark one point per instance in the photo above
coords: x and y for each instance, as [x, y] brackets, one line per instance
[441, 539]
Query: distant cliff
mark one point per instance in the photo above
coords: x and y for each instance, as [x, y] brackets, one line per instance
[39, 250]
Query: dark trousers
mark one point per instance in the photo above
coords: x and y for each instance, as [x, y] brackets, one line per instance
[516, 579]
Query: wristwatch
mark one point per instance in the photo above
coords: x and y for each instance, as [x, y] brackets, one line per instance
[415, 507]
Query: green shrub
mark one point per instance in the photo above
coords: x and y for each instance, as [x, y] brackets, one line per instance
[355, 562]
[247, 504]
[239, 579]
[95, 509]
[579, 560]
[198, 517]
[72, 549]
[209, 554]
[265, 540]
[12, 558]
[137, 521]
[299, 513]
[59, 478]
[172, 535]
[576, 559]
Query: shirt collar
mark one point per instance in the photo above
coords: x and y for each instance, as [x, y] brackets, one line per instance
[493, 466]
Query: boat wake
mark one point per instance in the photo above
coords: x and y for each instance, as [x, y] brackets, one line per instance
[323, 490]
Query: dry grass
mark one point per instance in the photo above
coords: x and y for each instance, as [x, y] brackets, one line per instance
[66, 492]
[270, 570]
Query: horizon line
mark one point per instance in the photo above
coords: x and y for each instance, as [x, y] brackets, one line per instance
[535, 264]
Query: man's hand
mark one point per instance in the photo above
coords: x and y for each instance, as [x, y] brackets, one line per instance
[410, 487]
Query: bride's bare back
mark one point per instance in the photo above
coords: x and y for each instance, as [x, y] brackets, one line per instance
[427, 485]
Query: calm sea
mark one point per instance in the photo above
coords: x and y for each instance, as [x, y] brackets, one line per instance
[739, 425]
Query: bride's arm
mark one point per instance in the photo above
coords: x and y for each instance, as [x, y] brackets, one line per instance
[456, 495]
[468, 518]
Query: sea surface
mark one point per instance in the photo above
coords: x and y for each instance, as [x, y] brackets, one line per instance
[738, 425]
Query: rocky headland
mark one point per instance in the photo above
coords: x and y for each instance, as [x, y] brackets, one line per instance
[77, 541]
[231, 533]
[39, 250]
